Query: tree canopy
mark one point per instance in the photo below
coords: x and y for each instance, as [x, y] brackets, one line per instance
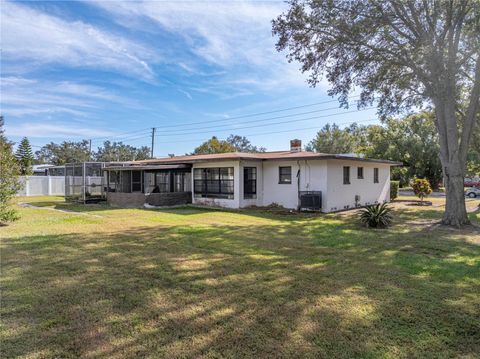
[400, 55]
[117, 151]
[333, 139]
[214, 145]
[243, 144]
[412, 140]
[71, 152]
[65, 152]
[234, 143]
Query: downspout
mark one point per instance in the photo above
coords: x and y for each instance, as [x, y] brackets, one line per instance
[263, 198]
[307, 186]
[298, 186]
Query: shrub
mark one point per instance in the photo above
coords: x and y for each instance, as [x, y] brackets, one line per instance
[7, 215]
[9, 180]
[394, 186]
[376, 216]
[421, 188]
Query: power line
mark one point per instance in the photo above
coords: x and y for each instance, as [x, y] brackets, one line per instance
[142, 136]
[120, 139]
[263, 119]
[96, 139]
[267, 124]
[257, 114]
[273, 132]
[258, 134]
[127, 135]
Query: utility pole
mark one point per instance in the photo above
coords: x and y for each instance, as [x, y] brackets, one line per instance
[153, 142]
[90, 149]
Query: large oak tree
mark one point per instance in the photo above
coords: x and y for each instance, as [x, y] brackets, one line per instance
[402, 54]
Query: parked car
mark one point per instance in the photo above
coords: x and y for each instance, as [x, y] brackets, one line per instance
[472, 192]
[469, 182]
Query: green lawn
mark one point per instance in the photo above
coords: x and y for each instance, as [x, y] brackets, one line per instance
[189, 283]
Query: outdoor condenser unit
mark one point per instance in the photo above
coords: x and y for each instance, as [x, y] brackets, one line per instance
[311, 200]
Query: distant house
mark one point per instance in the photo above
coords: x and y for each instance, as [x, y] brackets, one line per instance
[48, 170]
[293, 179]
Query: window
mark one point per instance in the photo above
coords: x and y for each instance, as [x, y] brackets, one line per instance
[179, 182]
[136, 181]
[249, 182]
[162, 180]
[285, 175]
[360, 172]
[113, 180]
[346, 175]
[375, 175]
[148, 181]
[213, 182]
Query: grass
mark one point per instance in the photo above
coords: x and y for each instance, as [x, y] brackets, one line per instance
[188, 283]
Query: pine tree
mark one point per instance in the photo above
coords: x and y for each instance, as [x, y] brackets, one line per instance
[25, 157]
[2, 124]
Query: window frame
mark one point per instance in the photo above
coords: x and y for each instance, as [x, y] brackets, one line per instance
[360, 171]
[376, 175]
[252, 193]
[282, 176]
[346, 175]
[136, 183]
[213, 181]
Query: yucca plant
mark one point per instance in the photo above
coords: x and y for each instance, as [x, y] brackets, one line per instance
[376, 216]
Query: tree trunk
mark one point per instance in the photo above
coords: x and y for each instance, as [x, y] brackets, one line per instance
[455, 209]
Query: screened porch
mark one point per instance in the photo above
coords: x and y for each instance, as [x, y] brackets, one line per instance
[157, 185]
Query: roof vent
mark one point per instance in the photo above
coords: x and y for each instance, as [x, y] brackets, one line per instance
[295, 145]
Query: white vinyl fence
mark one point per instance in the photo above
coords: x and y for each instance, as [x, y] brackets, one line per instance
[42, 186]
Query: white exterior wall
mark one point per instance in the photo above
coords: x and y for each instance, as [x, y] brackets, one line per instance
[281, 193]
[339, 195]
[315, 175]
[220, 202]
[246, 202]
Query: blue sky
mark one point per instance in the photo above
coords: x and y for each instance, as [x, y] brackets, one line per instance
[112, 70]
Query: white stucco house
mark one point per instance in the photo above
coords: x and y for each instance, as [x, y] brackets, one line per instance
[292, 179]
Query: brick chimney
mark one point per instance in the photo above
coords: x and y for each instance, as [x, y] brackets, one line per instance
[296, 145]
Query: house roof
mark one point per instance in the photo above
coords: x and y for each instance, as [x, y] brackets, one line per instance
[259, 156]
[147, 167]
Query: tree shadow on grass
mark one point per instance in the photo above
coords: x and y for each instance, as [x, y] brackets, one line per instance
[294, 289]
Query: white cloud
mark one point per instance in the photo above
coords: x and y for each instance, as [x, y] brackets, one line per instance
[53, 130]
[26, 96]
[232, 35]
[33, 35]
[186, 93]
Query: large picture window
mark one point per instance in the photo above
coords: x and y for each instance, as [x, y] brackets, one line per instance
[213, 182]
[285, 175]
[249, 182]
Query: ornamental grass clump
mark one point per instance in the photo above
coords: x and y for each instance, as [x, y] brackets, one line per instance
[376, 216]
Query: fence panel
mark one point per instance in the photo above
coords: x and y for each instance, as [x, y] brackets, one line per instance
[57, 185]
[42, 186]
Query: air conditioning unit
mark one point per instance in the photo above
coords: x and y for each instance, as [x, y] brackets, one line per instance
[311, 200]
